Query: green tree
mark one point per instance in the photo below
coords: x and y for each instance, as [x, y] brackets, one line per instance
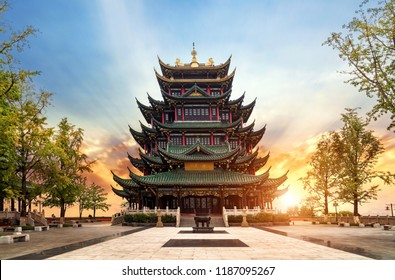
[322, 179]
[7, 153]
[10, 75]
[368, 46]
[65, 166]
[97, 199]
[32, 139]
[310, 206]
[12, 85]
[358, 150]
[293, 211]
[83, 198]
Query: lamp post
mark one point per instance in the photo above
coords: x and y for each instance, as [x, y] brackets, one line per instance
[335, 204]
[390, 207]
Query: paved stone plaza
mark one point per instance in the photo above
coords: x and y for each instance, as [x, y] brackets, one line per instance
[105, 242]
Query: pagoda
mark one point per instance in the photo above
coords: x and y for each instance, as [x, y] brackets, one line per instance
[197, 150]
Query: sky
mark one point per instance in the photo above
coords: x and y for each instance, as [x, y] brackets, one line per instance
[98, 56]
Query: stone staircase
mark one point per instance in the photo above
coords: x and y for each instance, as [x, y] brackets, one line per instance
[187, 220]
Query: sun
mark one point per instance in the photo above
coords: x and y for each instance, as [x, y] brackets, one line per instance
[290, 199]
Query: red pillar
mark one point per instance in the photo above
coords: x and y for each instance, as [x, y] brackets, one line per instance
[227, 137]
[217, 113]
[163, 117]
[212, 138]
[175, 113]
[208, 90]
[183, 112]
[182, 90]
[211, 113]
[183, 139]
[230, 117]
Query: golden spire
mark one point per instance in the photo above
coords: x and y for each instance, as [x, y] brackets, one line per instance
[194, 62]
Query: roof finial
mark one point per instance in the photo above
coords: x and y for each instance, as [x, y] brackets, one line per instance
[194, 62]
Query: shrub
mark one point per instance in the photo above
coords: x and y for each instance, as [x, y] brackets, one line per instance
[264, 217]
[235, 218]
[141, 218]
[27, 227]
[168, 219]
[281, 218]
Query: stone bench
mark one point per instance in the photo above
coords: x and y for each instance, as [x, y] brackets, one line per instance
[9, 239]
[7, 229]
[41, 228]
[387, 227]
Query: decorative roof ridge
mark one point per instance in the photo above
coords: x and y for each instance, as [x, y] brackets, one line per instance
[218, 80]
[147, 129]
[135, 132]
[238, 100]
[201, 66]
[264, 176]
[125, 183]
[121, 193]
[275, 182]
[140, 137]
[193, 178]
[195, 146]
[259, 162]
[152, 159]
[225, 95]
[136, 162]
[195, 88]
[247, 128]
[193, 157]
[247, 158]
[248, 106]
[139, 104]
[264, 157]
[147, 111]
[153, 101]
[258, 132]
[281, 192]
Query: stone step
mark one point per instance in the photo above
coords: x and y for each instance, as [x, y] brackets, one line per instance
[188, 221]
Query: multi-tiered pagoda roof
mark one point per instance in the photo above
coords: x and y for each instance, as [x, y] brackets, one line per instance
[198, 146]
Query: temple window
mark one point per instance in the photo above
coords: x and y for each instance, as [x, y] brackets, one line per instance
[233, 143]
[162, 144]
[177, 140]
[197, 113]
[190, 140]
[176, 93]
[205, 140]
[224, 116]
[218, 140]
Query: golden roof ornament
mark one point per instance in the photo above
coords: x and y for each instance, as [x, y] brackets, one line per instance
[178, 62]
[194, 62]
[210, 62]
